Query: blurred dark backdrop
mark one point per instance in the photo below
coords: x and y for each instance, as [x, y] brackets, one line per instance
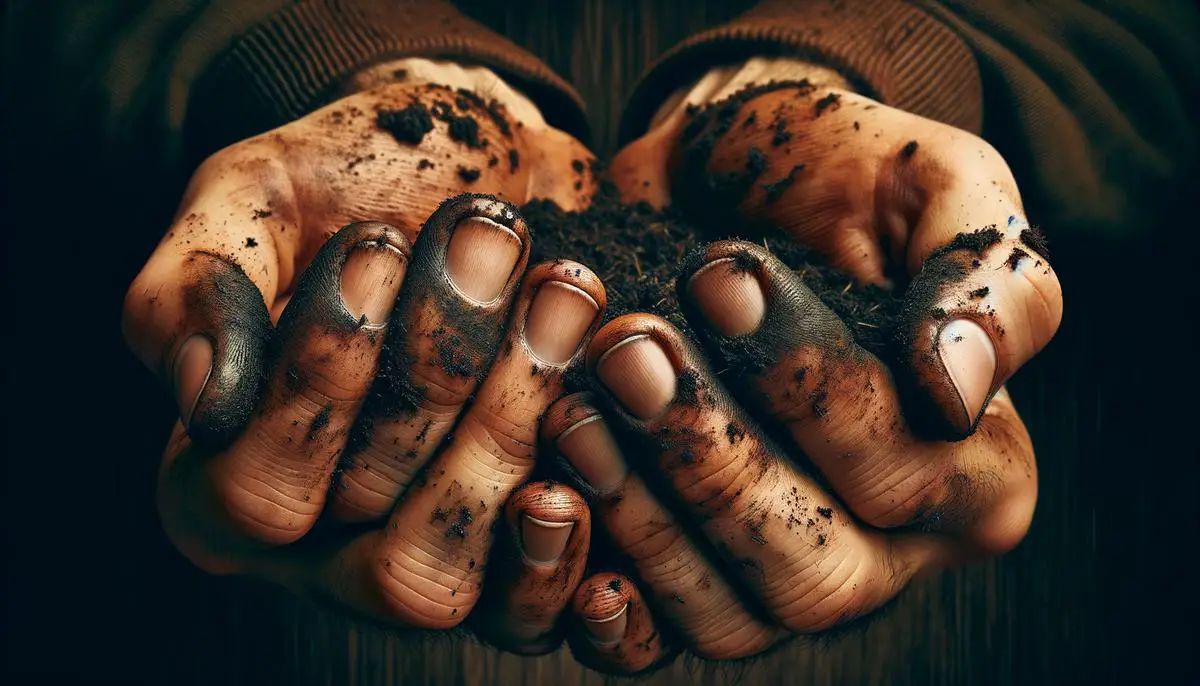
[1103, 589]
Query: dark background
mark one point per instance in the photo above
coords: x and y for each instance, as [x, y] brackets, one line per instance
[1102, 590]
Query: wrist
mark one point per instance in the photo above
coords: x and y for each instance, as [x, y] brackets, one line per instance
[419, 71]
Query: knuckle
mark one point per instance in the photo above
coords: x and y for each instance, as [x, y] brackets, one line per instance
[437, 390]
[720, 644]
[408, 591]
[262, 511]
[834, 599]
[509, 439]
[338, 380]
[902, 497]
[187, 530]
[954, 499]
[362, 495]
[659, 547]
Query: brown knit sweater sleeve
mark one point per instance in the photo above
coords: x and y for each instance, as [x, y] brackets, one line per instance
[297, 58]
[160, 84]
[1092, 103]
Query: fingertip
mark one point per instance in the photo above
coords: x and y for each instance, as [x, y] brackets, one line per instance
[587, 448]
[562, 303]
[614, 631]
[979, 308]
[602, 606]
[475, 245]
[226, 308]
[550, 521]
[550, 535]
[727, 293]
[374, 264]
[969, 358]
[637, 360]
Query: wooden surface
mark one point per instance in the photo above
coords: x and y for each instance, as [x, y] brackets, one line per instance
[1102, 590]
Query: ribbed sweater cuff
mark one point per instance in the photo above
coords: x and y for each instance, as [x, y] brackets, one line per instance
[888, 49]
[296, 60]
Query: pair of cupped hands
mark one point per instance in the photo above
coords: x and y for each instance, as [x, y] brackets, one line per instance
[362, 408]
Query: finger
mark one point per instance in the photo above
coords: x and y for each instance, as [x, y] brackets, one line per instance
[981, 307]
[430, 562]
[696, 600]
[614, 630]
[789, 541]
[543, 560]
[196, 315]
[272, 480]
[444, 331]
[791, 361]
[984, 299]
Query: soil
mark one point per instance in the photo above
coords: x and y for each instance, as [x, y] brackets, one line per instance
[408, 125]
[637, 251]
[1035, 239]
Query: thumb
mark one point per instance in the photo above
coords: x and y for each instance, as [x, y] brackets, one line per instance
[640, 169]
[197, 314]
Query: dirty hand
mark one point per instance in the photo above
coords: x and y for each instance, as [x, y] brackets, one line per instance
[734, 542]
[383, 340]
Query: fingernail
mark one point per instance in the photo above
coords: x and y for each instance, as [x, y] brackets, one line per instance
[639, 374]
[481, 257]
[371, 279]
[609, 631]
[193, 366]
[970, 359]
[558, 318]
[730, 297]
[592, 450]
[542, 541]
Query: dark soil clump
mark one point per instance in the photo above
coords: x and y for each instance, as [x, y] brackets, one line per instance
[466, 99]
[833, 100]
[465, 130]
[408, 125]
[975, 241]
[1014, 258]
[775, 190]
[1036, 240]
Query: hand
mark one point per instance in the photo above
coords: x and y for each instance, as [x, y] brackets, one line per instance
[378, 351]
[734, 542]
